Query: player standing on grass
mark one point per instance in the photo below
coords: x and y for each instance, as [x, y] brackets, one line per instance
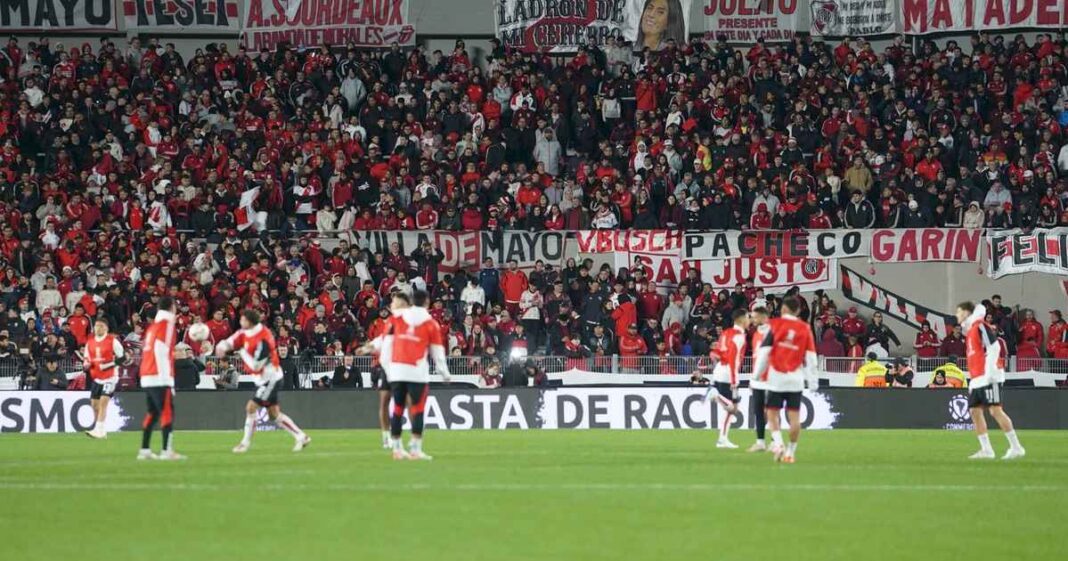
[985, 379]
[727, 355]
[103, 353]
[256, 347]
[413, 335]
[759, 384]
[157, 379]
[380, 379]
[787, 357]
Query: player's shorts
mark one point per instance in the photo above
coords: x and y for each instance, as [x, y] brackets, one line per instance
[726, 392]
[98, 390]
[784, 400]
[267, 394]
[414, 393]
[160, 404]
[985, 396]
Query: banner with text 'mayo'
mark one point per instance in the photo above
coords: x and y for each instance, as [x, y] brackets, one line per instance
[42, 16]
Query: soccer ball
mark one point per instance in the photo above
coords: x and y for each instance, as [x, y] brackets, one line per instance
[199, 332]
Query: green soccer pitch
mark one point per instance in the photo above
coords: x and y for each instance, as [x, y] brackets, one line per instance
[537, 495]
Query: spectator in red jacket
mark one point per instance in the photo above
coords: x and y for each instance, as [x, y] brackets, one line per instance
[927, 343]
[854, 325]
[513, 283]
[631, 346]
[1056, 332]
[624, 312]
[650, 302]
[1030, 331]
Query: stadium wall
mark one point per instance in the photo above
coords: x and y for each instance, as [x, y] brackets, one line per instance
[531, 408]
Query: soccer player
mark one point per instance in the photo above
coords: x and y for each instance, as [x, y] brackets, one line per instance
[985, 379]
[379, 378]
[787, 358]
[256, 347]
[759, 384]
[103, 353]
[727, 355]
[413, 335]
[157, 379]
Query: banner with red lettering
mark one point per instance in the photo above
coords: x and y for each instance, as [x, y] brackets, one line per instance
[311, 23]
[933, 16]
[745, 21]
[193, 16]
[866, 293]
[775, 276]
[1042, 250]
[926, 244]
[852, 18]
[562, 26]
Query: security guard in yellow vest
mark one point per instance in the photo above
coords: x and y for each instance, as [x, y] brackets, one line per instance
[872, 374]
[955, 377]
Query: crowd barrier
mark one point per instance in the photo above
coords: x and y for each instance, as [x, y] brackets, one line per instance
[611, 370]
[631, 407]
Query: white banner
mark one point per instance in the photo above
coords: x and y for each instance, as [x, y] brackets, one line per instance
[561, 26]
[659, 408]
[779, 244]
[745, 21]
[845, 18]
[933, 16]
[1011, 252]
[310, 23]
[194, 16]
[773, 275]
[59, 411]
[41, 16]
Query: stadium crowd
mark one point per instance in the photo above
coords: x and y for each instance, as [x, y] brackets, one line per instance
[129, 172]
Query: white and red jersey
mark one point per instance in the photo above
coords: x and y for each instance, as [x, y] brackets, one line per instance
[101, 354]
[758, 382]
[728, 353]
[787, 356]
[157, 353]
[258, 352]
[984, 351]
[412, 336]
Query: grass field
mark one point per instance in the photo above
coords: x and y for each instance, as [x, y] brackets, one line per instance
[551, 495]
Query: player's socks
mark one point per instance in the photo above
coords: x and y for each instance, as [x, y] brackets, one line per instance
[385, 438]
[791, 449]
[168, 444]
[286, 423]
[396, 444]
[250, 429]
[415, 445]
[1014, 441]
[984, 443]
[776, 438]
[725, 427]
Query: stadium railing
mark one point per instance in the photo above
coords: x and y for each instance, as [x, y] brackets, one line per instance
[309, 369]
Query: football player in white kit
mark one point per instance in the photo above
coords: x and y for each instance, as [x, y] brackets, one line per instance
[728, 354]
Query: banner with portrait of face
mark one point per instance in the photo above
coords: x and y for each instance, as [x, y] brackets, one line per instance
[562, 26]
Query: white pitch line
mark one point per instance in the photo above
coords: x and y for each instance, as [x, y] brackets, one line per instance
[524, 487]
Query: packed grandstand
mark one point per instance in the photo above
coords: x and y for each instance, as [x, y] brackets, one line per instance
[234, 179]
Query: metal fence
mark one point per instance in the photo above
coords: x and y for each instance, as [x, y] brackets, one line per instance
[310, 369]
